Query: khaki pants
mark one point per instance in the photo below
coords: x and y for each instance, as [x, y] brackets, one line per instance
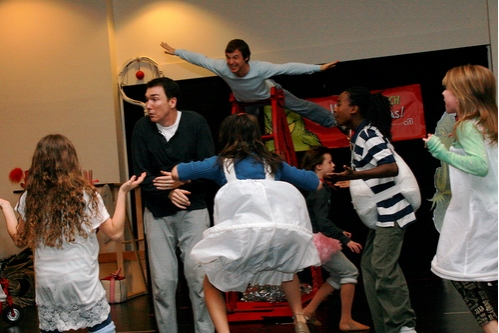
[183, 229]
[384, 283]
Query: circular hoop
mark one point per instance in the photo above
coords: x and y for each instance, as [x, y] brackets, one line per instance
[121, 77]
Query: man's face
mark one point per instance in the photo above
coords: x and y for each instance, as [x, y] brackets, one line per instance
[236, 63]
[158, 106]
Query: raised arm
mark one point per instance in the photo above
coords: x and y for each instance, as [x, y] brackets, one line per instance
[114, 227]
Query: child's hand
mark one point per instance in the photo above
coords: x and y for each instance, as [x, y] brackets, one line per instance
[132, 183]
[343, 184]
[354, 246]
[4, 203]
[347, 174]
[348, 234]
[428, 137]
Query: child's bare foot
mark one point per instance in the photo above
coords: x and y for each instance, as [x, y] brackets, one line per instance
[352, 326]
[312, 319]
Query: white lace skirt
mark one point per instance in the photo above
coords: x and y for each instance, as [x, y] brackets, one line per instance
[262, 235]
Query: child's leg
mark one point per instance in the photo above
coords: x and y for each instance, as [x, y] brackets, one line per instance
[215, 301]
[107, 326]
[309, 311]
[389, 284]
[347, 293]
[490, 327]
[293, 295]
[478, 302]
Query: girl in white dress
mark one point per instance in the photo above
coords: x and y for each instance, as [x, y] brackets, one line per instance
[59, 216]
[262, 233]
[467, 247]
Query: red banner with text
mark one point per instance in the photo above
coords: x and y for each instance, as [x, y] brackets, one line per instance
[407, 120]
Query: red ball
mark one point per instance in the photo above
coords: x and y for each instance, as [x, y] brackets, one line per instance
[139, 74]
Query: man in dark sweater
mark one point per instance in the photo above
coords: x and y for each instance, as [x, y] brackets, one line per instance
[175, 213]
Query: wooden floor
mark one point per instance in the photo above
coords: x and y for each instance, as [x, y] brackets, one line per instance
[438, 307]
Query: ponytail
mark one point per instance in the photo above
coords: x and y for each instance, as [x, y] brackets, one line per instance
[380, 114]
[375, 108]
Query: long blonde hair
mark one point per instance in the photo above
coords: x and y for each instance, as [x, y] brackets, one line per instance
[55, 204]
[474, 87]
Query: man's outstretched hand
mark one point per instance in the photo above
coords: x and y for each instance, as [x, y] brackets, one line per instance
[168, 49]
[329, 65]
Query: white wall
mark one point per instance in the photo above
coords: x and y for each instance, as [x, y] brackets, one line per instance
[60, 58]
[315, 31]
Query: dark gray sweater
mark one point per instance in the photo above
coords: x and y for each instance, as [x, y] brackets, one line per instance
[152, 153]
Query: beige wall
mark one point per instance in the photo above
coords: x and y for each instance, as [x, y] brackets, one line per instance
[315, 31]
[56, 77]
[60, 58]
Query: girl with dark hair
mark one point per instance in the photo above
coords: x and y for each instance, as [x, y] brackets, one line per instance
[369, 117]
[342, 272]
[262, 233]
[467, 247]
[60, 212]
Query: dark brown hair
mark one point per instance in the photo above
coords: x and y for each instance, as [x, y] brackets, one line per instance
[241, 137]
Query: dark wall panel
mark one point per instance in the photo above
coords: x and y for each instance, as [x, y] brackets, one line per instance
[209, 97]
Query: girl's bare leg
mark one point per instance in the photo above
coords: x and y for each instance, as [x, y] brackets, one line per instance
[347, 292]
[215, 302]
[324, 291]
[490, 327]
[293, 295]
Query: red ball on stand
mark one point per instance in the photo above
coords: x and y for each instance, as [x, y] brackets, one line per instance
[139, 75]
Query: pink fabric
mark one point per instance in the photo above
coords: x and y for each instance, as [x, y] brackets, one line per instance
[326, 246]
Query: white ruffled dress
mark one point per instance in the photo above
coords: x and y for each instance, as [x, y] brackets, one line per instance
[262, 234]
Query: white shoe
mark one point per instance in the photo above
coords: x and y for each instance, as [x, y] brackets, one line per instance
[405, 329]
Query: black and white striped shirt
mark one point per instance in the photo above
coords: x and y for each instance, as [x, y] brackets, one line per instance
[370, 149]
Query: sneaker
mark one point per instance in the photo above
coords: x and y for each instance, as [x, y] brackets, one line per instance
[405, 329]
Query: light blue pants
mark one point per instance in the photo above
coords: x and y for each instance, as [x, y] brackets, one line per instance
[304, 108]
[341, 270]
[183, 229]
